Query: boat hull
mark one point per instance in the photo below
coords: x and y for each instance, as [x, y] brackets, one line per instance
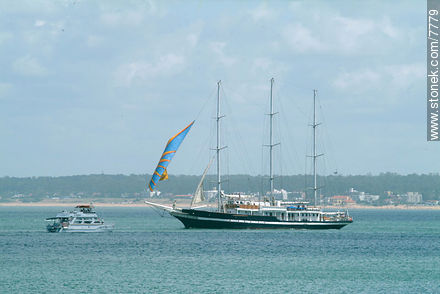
[214, 220]
[79, 229]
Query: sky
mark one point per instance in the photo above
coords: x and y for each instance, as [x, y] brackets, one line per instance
[90, 87]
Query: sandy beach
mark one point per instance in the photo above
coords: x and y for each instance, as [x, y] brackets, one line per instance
[390, 207]
[64, 204]
[186, 203]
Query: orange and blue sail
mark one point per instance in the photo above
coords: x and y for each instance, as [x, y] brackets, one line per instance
[173, 144]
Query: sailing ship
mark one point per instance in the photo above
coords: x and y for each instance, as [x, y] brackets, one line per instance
[241, 212]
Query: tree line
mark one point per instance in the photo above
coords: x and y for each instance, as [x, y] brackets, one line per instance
[117, 185]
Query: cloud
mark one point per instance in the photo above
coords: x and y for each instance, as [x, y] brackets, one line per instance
[405, 75]
[357, 80]
[125, 18]
[262, 12]
[389, 29]
[5, 88]
[332, 32]
[166, 65]
[349, 32]
[364, 59]
[262, 63]
[358, 34]
[39, 23]
[301, 39]
[5, 36]
[28, 66]
[268, 66]
[387, 78]
[133, 13]
[93, 41]
[193, 39]
[217, 48]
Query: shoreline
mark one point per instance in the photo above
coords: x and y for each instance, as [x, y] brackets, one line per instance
[388, 207]
[185, 204]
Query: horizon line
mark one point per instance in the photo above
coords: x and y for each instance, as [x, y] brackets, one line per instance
[248, 175]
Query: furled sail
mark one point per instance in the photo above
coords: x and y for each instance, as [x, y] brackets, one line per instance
[198, 195]
[173, 144]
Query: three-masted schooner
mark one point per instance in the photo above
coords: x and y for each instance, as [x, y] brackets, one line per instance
[238, 212]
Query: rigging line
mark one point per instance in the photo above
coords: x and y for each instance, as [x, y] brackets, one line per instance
[305, 177]
[205, 103]
[197, 157]
[262, 161]
[330, 153]
[262, 171]
[322, 145]
[301, 111]
[237, 136]
[283, 163]
[211, 139]
[264, 157]
[327, 138]
[280, 151]
[291, 160]
[203, 149]
[233, 147]
[287, 128]
[210, 97]
[281, 168]
[156, 210]
[308, 165]
[212, 130]
[228, 175]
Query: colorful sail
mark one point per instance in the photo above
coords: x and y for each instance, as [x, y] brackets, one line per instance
[173, 144]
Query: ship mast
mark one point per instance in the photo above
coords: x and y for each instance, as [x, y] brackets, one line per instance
[271, 145]
[314, 156]
[218, 149]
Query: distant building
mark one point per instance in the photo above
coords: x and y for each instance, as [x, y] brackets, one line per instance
[432, 202]
[414, 197]
[362, 196]
[368, 197]
[354, 194]
[297, 196]
[392, 199]
[280, 194]
[341, 200]
[211, 194]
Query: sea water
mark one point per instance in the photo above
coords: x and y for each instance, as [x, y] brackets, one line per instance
[383, 251]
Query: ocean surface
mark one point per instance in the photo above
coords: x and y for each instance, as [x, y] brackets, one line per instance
[383, 251]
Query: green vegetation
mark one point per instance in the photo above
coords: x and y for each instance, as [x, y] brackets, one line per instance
[134, 186]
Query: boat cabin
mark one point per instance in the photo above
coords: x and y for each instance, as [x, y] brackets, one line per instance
[283, 211]
[86, 208]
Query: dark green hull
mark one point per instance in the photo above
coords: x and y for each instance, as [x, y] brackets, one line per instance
[214, 220]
